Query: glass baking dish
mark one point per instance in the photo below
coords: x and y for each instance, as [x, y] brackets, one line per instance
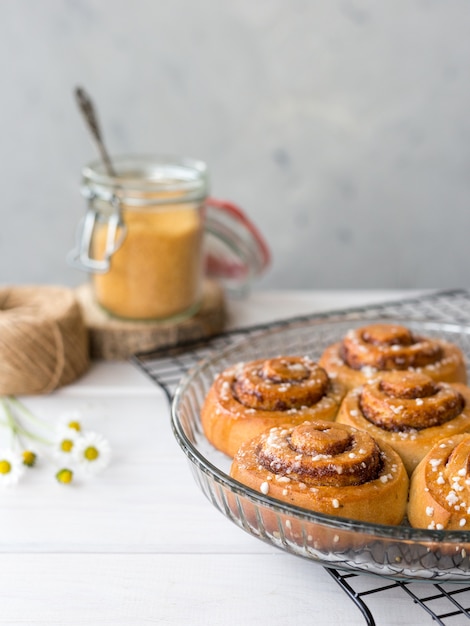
[400, 553]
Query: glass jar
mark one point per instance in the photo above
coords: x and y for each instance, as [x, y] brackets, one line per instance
[151, 233]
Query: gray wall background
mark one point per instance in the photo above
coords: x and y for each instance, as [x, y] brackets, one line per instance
[342, 127]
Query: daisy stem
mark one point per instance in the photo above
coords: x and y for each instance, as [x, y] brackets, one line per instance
[30, 415]
[15, 427]
[24, 409]
[11, 424]
[8, 414]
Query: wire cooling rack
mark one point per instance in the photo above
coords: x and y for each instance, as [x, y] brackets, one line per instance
[446, 603]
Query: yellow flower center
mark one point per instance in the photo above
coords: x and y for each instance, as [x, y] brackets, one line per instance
[74, 425]
[5, 467]
[64, 476]
[91, 453]
[66, 445]
[29, 458]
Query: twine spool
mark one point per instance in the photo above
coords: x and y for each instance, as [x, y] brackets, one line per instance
[43, 339]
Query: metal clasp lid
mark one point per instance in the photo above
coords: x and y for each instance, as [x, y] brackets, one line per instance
[80, 257]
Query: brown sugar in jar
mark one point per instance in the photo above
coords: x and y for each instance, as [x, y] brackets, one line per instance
[146, 238]
[156, 272]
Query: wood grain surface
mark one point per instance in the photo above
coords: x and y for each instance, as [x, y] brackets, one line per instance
[116, 339]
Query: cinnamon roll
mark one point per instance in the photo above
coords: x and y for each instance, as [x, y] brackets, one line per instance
[385, 347]
[440, 487]
[326, 467]
[251, 397]
[408, 411]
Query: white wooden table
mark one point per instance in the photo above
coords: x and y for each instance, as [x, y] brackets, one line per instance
[140, 544]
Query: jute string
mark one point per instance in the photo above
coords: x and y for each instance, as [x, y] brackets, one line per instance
[43, 339]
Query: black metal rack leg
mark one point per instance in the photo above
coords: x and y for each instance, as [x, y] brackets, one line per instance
[355, 597]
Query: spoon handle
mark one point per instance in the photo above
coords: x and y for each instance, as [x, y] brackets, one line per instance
[88, 110]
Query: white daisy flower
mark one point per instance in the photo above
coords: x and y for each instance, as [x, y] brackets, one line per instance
[92, 452]
[64, 443]
[29, 456]
[72, 420]
[11, 467]
[64, 476]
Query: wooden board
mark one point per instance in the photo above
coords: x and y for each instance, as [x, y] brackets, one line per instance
[115, 339]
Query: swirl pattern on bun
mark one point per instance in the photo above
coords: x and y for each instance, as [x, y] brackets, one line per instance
[251, 397]
[367, 350]
[440, 487]
[326, 467]
[408, 411]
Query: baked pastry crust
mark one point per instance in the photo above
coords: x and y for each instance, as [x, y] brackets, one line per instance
[248, 398]
[326, 467]
[440, 487]
[408, 411]
[367, 350]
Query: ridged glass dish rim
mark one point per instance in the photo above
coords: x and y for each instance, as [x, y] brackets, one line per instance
[235, 353]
